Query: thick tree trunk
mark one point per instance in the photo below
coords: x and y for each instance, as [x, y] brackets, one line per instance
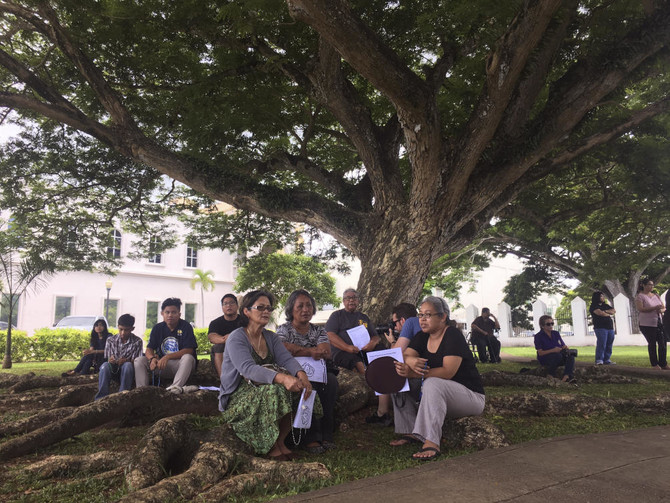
[394, 267]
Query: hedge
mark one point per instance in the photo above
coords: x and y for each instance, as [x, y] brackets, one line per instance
[67, 343]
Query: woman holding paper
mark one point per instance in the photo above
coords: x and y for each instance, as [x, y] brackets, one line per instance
[303, 339]
[261, 382]
[449, 384]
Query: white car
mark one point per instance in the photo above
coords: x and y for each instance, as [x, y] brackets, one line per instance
[80, 322]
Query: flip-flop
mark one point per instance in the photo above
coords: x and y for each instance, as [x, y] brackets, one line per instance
[428, 458]
[279, 457]
[408, 439]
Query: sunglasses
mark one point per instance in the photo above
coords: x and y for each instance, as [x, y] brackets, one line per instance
[261, 308]
[550, 324]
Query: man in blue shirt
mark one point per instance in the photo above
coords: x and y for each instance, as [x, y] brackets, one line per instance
[171, 350]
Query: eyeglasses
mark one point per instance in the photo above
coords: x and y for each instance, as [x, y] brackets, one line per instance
[262, 308]
[549, 324]
[229, 304]
[394, 322]
[350, 297]
[425, 316]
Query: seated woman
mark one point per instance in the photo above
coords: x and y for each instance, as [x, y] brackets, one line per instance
[302, 338]
[552, 352]
[449, 384]
[94, 356]
[255, 395]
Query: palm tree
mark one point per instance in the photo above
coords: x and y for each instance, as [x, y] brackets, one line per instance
[205, 278]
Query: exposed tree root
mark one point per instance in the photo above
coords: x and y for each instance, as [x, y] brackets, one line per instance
[139, 405]
[60, 466]
[31, 381]
[472, 433]
[34, 422]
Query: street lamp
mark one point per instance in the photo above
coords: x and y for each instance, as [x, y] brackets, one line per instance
[108, 286]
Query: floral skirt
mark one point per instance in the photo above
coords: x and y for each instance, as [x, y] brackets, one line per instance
[254, 413]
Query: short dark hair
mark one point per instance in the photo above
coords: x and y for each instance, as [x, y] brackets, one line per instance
[229, 296]
[126, 320]
[595, 298]
[485, 310]
[290, 303]
[544, 318]
[171, 301]
[249, 299]
[404, 310]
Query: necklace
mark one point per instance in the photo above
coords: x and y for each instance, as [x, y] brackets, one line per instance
[256, 348]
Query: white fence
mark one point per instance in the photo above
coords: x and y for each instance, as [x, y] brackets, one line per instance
[576, 333]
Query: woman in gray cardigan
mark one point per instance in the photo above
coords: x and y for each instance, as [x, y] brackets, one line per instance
[255, 398]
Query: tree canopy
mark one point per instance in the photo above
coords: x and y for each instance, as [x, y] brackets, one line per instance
[400, 128]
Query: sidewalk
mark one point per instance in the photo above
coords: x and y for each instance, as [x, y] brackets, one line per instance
[615, 467]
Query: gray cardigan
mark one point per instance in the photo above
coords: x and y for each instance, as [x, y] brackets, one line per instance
[238, 362]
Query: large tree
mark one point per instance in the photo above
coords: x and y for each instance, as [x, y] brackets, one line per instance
[400, 128]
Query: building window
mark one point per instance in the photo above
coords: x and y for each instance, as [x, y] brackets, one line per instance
[152, 314]
[62, 308]
[110, 313]
[115, 250]
[189, 312]
[4, 308]
[191, 257]
[154, 258]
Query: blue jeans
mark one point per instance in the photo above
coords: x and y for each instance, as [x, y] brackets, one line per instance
[605, 339]
[125, 375]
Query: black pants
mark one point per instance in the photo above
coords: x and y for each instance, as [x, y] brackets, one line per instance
[484, 344]
[655, 336]
[322, 428]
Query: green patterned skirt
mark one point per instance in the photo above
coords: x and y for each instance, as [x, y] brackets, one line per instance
[254, 413]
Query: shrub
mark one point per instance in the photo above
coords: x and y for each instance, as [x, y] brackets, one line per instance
[21, 345]
[60, 343]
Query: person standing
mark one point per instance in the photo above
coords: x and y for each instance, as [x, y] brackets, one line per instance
[220, 328]
[651, 308]
[121, 351]
[484, 338]
[603, 326]
[171, 350]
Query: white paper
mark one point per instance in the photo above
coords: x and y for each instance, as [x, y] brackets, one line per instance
[303, 417]
[359, 336]
[210, 388]
[396, 354]
[315, 369]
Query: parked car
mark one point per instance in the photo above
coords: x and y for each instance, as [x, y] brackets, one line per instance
[80, 322]
[4, 325]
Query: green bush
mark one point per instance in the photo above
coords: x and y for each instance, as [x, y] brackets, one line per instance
[60, 343]
[21, 345]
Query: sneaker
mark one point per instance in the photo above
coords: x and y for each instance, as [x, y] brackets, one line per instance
[599, 362]
[190, 389]
[177, 390]
[384, 420]
[610, 363]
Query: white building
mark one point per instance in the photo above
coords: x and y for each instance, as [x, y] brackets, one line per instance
[138, 288]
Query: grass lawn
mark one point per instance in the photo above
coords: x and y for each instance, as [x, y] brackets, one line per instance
[363, 449]
[633, 356]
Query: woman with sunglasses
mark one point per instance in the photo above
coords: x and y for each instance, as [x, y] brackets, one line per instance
[443, 369]
[552, 352]
[261, 382]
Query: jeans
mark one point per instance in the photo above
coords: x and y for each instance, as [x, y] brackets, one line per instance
[605, 339]
[554, 360]
[88, 361]
[125, 375]
[655, 337]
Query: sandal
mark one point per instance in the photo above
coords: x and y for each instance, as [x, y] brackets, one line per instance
[69, 373]
[405, 440]
[426, 458]
[279, 457]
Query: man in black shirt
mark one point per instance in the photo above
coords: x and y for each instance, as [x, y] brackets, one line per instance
[482, 336]
[221, 327]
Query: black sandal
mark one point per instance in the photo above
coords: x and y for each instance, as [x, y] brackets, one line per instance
[426, 458]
